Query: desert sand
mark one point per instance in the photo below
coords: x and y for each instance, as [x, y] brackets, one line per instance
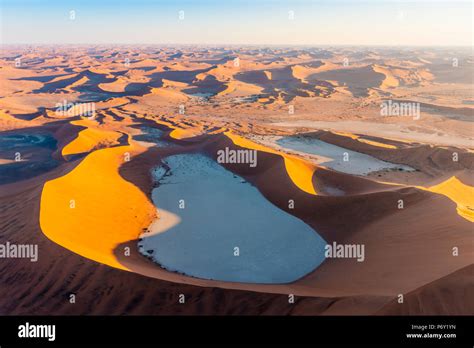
[96, 193]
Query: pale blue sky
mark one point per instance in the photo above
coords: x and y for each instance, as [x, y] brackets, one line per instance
[324, 22]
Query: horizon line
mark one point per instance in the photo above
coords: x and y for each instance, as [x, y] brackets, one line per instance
[232, 44]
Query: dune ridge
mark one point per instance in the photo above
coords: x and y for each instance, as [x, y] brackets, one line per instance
[300, 172]
[90, 138]
[92, 209]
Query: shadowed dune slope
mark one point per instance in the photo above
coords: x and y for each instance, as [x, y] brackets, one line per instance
[440, 297]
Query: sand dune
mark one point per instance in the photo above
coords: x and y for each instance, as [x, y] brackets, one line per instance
[458, 192]
[366, 141]
[90, 138]
[170, 94]
[282, 83]
[457, 284]
[180, 133]
[239, 89]
[357, 80]
[304, 286]
[390, 80]
[94, 189]
[300, 172]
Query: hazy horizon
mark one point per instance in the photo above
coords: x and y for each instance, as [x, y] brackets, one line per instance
[238, 22]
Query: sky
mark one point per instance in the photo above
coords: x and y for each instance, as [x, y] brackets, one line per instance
[239, 22]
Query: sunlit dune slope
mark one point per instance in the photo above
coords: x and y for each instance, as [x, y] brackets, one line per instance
[366, 141]
[183, 133]
[92, 209]
[300, 171]
[461, 194]
[390, 80]
[455, 190]
[90, 138]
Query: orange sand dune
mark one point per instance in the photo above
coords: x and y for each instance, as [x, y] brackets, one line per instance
[413, 77]
[111, 103]
[8, 122]
[461, 194]
[90, 138]
[10, 85]
[300, 171]
[301, 72]
[62, 78]
[170, 94]
[240, 89]
[268, 74]
[107, 209]
[455, 190]
[390, 80]
[117, 86]
[328, 66]
[81, 81]
[31, 103]
[183, 133]
[171, 83]
[366, 141]
[223, 72]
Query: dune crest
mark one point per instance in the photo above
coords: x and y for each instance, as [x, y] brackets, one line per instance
[461, 194]
[366, 141]
[90, 138]
[300, 171]
[183, 133]
[390, 80]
